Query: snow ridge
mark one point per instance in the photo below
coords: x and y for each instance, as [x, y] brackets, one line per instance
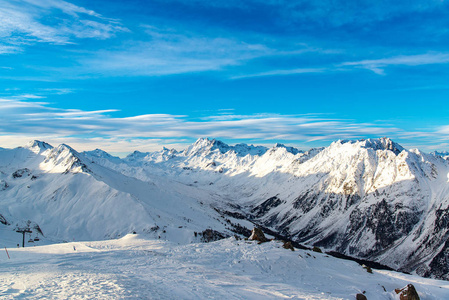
[377, 144]
[205, 146]
[38, 146]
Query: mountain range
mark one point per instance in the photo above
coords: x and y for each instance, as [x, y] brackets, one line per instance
[370, 199]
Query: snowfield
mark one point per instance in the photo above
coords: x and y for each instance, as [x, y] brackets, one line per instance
[137, 267]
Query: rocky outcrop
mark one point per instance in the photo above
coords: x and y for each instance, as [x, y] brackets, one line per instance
[360, 297]
[3, 220]
[407, 293]
[258, 235]
[21, 172]
[210, 235]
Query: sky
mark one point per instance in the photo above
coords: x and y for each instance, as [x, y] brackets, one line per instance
[138, 75]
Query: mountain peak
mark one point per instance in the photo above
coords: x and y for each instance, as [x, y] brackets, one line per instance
[99, 153]
[66, 147]
[65, 159]
[383, 143]
[443, 154]
[292, 150]
[204, 146]
[38, 146]
[136, 155]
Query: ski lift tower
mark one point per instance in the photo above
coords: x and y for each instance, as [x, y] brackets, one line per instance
[23, 232]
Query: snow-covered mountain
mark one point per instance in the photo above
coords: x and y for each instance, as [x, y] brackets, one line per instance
[71, 197]
[444, 155]
[370, 199]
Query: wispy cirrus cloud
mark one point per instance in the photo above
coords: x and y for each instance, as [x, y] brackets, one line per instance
[169, 51]
[57, 91]
[8, 49]
[444, 130]
[25, 118]
[378, 65]
[283, 72]
[26, 22]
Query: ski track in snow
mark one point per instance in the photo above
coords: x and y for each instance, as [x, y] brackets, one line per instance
[135, 267]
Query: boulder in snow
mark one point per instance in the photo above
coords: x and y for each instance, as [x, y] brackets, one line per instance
[407, 293]
[257, 235]
[360, 297]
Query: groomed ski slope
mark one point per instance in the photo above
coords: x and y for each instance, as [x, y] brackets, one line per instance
[136, 267]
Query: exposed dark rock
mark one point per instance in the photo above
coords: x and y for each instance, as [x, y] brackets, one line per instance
[236, 215]
[371, 264]
[381, 221]
[329, 240]
[211, 164]
[239, 229]
[439, 266]
[360, 297]
[368, 269]
[210, 235]
[265, 206]
[288, 245]
[381, 144]
[407, 293]
[21, 172]
[317, 249]
[306, 202]
[3, 220]
[352, 200]
[3, 185]
[257, 235]
[442, 219]
[388, 224]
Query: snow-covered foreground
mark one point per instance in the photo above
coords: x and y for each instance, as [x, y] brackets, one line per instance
[136, 267]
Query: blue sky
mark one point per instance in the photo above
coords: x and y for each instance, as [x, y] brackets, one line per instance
[127, 75]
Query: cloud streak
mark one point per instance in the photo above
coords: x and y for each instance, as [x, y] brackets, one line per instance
[24, 118]
[378, 65]
[171, 52]
[283, 72]
[26, 22]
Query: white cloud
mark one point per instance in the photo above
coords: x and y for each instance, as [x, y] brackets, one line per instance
[26, 22]
[171, 52]
[8, 49]
[377, 65]
[57, 91]
[283, 72]
[64, 6]
[39, 120]
[444, 130]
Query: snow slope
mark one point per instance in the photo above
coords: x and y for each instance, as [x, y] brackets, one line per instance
[135, 267]
[370, 199]
[71, 198]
